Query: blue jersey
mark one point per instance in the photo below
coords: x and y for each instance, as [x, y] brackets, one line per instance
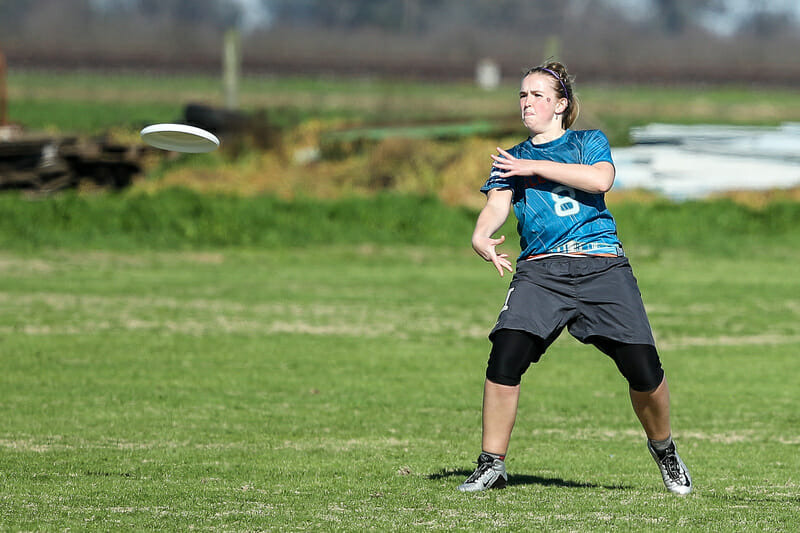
[553, 218]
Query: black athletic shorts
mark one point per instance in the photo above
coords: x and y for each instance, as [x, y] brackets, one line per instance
[590, 296]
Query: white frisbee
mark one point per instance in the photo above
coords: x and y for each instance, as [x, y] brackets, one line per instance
[180, 138]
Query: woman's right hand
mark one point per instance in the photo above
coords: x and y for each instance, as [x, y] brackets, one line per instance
[486, 248]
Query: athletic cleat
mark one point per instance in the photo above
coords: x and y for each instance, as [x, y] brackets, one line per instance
[490, 474]
[673, 471]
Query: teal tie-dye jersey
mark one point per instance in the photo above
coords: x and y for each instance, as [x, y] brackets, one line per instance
[553, 218]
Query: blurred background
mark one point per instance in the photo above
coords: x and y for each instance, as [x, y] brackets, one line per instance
[406, 96]
[654, 41]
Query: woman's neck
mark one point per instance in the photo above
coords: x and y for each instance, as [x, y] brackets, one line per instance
[547, 136]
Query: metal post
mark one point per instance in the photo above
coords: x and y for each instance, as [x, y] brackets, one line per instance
[231, 58]
[3, 91]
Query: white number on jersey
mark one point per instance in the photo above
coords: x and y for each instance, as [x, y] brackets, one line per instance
[564, 200]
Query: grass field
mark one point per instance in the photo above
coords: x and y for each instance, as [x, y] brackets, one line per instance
[338, 389]
[177, 361]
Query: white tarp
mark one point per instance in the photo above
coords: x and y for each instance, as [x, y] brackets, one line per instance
[695, 161]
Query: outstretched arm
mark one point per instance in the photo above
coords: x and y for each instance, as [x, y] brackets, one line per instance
[597, 178]
[491, 218]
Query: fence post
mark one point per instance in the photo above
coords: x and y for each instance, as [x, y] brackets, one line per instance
[231, 60]
[3, 91]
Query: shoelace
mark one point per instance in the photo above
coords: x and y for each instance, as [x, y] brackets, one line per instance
[479, 472]
[672, 467]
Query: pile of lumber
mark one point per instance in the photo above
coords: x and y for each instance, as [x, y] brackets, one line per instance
[48, 163]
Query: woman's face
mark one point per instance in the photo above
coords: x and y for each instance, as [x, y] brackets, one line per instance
[539, 104]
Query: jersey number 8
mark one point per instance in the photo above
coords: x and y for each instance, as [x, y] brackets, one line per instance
[564, 200]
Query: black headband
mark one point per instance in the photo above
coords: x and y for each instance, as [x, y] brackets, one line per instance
[563, 85]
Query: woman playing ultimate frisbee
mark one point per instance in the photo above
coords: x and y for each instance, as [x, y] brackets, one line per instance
[572, 273]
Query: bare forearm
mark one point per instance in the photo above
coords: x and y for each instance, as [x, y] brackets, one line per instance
[597, 178]
[589, 178]
[491, 218]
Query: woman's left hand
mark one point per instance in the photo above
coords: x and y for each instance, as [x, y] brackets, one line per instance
[511, 166]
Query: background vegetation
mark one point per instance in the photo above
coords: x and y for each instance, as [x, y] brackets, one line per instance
[181, 219]
[334, 138]
[661, 41]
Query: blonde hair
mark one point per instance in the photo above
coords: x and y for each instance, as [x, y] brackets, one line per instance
[563, 88]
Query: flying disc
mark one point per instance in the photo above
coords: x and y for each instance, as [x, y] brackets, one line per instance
[179, 138]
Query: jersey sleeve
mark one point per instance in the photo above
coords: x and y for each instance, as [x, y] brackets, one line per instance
[596, 148]
[496, 182]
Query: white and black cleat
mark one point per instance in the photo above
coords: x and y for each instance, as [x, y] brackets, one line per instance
[490, 474]
[675, 474]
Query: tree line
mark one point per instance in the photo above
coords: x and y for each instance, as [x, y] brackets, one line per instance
[424, 38]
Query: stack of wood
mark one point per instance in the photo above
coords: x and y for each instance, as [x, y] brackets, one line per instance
[45, 163]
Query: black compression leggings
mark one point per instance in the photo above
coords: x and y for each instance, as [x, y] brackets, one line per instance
[513, 352]
[639, 363]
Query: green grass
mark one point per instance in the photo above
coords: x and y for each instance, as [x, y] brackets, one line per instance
[182, 219]
[91, 118]
[336, 387]
[46, 99]
[179, 218]
[86, 102]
